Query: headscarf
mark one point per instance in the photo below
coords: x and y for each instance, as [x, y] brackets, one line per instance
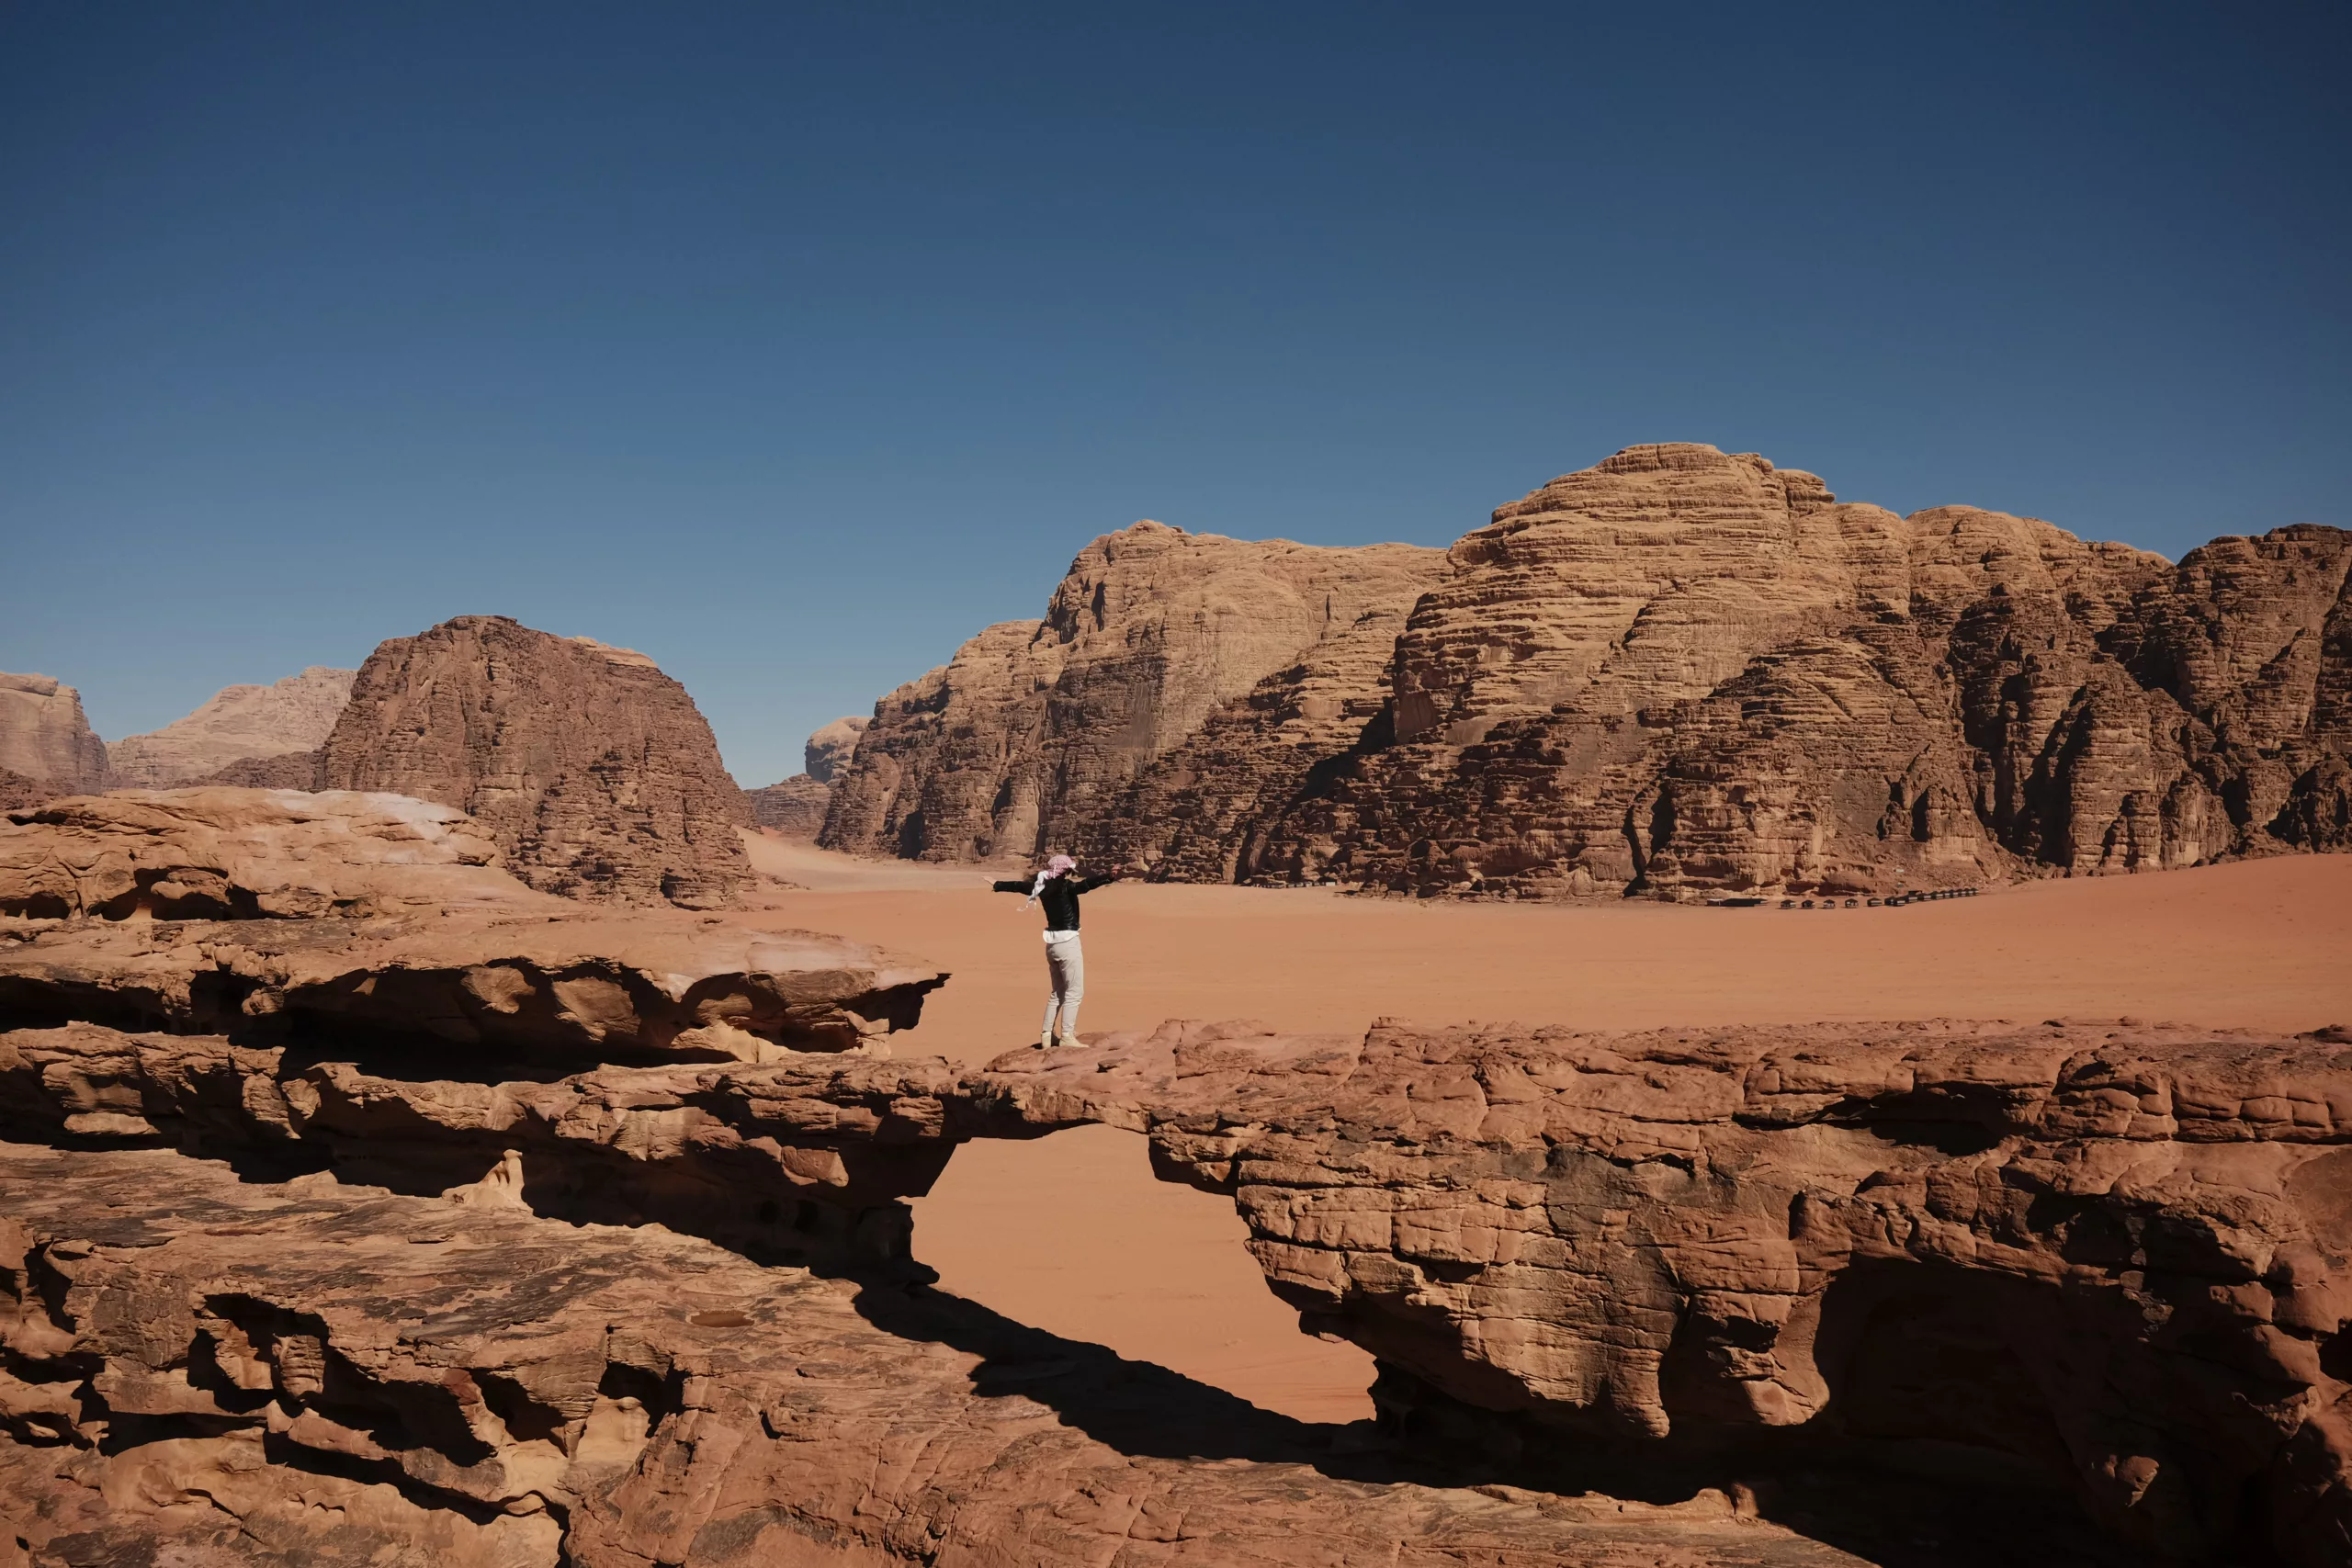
[1059, 865]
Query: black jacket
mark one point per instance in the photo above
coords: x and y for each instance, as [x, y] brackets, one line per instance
[1060, 897]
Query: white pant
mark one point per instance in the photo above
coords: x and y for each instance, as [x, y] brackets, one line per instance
[1065, 964]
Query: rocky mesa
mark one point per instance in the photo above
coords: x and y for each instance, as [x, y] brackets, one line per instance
[45, 739]
[1038, 731]
[1678, 674]
[591, 770]
[237, 728]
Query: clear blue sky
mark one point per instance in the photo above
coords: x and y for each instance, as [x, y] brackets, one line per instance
[792, 344]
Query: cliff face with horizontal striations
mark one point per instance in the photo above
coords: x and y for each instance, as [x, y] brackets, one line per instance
[237, 725]
[45, 737]
[593, 769]
[1033, 735]
[1682, 672]
[1678, 673]
[797, 807]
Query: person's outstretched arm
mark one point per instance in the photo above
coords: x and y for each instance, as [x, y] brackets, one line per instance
[1011, 887]
[1092, 883]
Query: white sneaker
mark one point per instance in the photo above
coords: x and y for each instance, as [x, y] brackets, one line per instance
[1070, 1041]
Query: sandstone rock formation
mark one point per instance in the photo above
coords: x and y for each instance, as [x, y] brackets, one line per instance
[1678, 673]
[1035, 730]
[237, 724]
[2119, 1258]
[829, 751]
[219, 1344]
[293, 916]
[797, 807]
[210, 1372]
[45, 737]
[358, 1222]
[592, 769]
[16, 791]
[1681, 672]
[290, 770]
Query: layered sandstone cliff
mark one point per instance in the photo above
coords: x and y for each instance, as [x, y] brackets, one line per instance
[1682, 671]
[797, 807]
[594, 771]
[45, 737]
[1033, 735]
[236, 725]
[1678, 673]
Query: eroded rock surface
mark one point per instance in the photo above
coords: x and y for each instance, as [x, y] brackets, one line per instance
[2119, 1258]
[282, 914]
[1036, 731]
[1676, 673]
[236, 724]
[226, 852]
[803, 1160]
[592, 769]
[209, 1372]
[795, 806]
[1682, 671]
[45, 737]
[826, 755]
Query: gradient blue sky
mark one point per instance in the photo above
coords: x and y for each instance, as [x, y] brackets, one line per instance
[792, 344]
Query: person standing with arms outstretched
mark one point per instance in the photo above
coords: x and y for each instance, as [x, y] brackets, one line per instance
[1058, 890]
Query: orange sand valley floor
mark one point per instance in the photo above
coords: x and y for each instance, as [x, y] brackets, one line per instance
[1072, 1233]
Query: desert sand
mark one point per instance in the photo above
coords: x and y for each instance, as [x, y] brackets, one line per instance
[1073, 1235]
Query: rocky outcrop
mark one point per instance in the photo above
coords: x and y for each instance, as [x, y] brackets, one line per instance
[212, 1372]
[592, 769]
[225, 853]
[826, 755]
[236, 725]
[283, 1284]
[18, 790]
[45, 737]
[283, 916]
[802, 1160]
[1677, 673]
[292, 769]
[1035, 732]
[797, 807]
[2116, 1258]
[1681, 673]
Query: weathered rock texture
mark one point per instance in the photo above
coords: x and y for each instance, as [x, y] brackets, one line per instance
[2119, 1257]
[1676, 673]
[826, 755]
[796, 806]
[280, 914]
[592, 769]
[217, 853]
[209, 1372]
[291, 769]
[237, 724]
[802, 1160]
[18, 790]
[45, 737]
[1681, 672]
[1037, 731]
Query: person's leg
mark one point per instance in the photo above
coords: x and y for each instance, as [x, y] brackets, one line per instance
[1073, 989]
[1053, 994]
